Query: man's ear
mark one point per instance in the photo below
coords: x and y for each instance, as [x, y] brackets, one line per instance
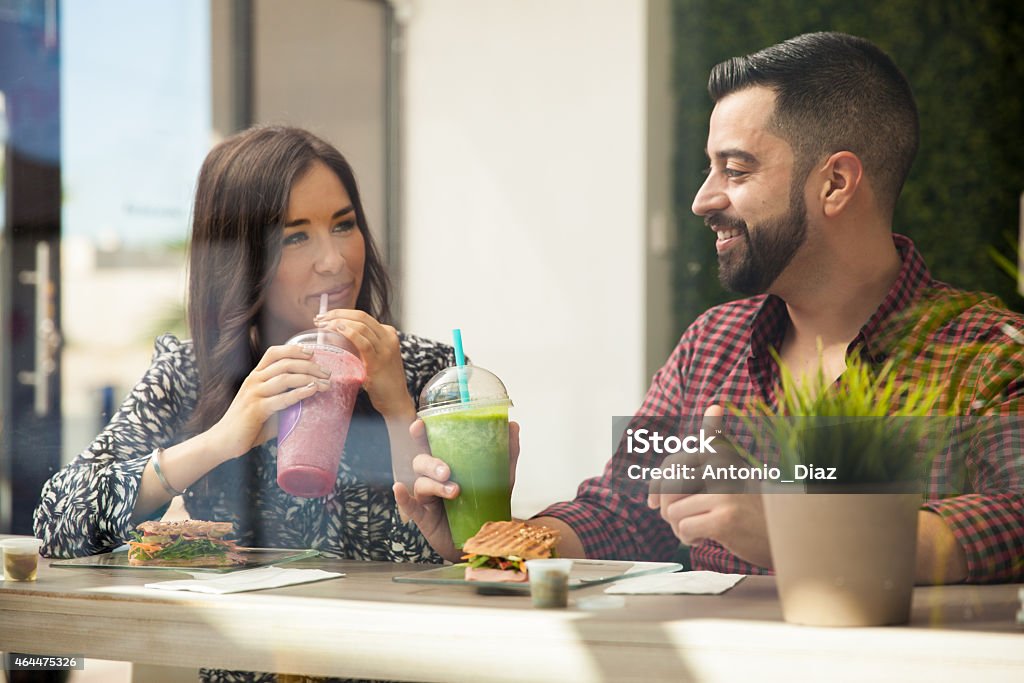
[841, 174]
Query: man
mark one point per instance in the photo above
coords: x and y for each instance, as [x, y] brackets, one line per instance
[809, 144]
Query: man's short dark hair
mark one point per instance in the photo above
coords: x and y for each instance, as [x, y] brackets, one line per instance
[834, 92]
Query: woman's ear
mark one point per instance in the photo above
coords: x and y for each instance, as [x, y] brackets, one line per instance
[842, 173]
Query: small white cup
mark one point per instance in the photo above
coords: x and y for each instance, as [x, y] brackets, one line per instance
[21, 558]
[549, 582]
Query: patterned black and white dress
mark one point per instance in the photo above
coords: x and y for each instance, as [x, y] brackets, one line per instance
[86, 507]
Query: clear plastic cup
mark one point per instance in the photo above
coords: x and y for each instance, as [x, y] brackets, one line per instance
[21, 558]
[311, 433]
[471, 436]
[549, 582]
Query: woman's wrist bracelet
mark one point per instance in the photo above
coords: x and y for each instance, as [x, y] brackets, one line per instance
[157, 454]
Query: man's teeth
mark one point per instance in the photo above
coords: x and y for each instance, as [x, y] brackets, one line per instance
[728, 234]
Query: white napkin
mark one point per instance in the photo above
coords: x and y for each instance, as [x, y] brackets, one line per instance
[703, 583]
[247, 580]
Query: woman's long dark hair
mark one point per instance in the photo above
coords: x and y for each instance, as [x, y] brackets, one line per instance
[237, 219]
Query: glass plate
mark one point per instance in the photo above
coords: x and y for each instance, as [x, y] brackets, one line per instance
[254, 557]
[584, 573]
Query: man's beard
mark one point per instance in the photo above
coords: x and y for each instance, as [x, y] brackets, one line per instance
[753, 267]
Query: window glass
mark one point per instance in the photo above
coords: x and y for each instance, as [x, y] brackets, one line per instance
[136, 124]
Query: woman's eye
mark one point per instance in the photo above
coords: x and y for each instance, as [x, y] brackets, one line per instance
[294, 238]
[345, 226]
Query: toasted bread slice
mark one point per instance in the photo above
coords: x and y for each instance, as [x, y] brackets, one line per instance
[512, 539]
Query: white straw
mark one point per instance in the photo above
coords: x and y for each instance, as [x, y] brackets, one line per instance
[323, 309]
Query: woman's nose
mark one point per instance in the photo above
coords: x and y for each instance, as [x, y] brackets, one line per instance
[329, 258]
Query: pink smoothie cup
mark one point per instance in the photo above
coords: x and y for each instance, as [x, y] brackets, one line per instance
[311, 433]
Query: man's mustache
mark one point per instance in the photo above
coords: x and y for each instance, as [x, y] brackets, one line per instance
[721, 220]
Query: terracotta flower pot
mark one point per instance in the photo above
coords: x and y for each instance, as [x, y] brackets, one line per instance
[843, 559]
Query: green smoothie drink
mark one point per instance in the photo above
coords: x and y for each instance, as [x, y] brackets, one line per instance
[467, 427]
[474, 444]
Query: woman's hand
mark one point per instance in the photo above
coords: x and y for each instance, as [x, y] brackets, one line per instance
[283, 377]
[380, 352]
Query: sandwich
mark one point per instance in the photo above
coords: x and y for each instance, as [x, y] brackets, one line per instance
[499, 551]
[189, 543]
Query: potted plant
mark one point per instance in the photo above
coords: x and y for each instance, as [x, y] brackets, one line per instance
[853, 454]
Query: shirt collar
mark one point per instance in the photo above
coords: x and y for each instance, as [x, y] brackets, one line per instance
[771, 320]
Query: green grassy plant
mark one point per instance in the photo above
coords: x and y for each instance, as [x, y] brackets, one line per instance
[870, 426]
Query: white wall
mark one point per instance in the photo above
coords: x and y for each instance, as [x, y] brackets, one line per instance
[320, 64]
[524, 213]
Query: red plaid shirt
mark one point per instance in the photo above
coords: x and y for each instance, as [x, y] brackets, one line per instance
[724, 358]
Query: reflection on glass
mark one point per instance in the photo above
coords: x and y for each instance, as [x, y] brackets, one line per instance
[136, 125]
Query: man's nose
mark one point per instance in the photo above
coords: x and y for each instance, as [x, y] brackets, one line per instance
[710, 197]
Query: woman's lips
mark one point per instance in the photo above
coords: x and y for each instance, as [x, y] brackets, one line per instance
[336, 298]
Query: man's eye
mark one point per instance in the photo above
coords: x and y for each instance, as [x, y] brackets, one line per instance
[345, 226]
[294, 238]
[727, 172]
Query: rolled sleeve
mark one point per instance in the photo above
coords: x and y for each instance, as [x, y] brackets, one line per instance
[612, 526]
[987, 515]
[989, 529]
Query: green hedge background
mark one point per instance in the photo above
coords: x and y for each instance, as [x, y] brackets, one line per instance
[965, 62]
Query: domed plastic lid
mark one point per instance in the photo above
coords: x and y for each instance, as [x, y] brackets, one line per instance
[324, 338]
[457, 387]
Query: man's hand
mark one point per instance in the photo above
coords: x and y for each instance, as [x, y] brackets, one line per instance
[697, 513]
[425, 504]
[735, 520]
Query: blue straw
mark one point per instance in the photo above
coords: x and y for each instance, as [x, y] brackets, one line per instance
[460, 362]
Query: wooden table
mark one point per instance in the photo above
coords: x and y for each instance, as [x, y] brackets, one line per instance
[365, 625]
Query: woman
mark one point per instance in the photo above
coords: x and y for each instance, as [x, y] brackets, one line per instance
[277, 222]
